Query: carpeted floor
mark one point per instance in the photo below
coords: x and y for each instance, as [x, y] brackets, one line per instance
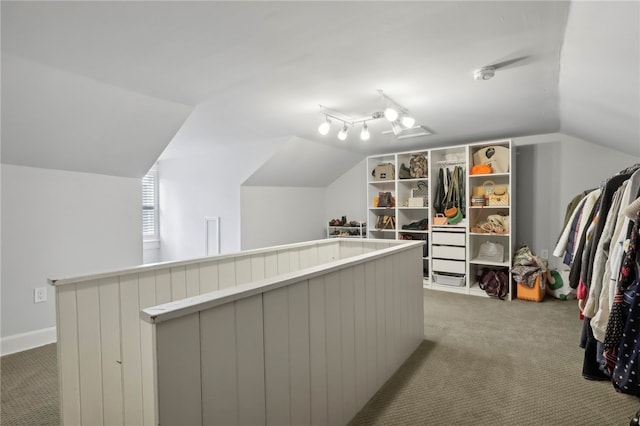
[483, 362]
[491, 362]
[30, 388]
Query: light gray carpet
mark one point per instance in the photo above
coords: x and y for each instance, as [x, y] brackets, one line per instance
[483, 362]
[491, 362]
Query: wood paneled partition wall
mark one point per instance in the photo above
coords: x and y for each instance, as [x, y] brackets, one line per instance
[297, 334]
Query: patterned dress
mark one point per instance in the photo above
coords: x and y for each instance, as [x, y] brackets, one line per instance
[621, 346]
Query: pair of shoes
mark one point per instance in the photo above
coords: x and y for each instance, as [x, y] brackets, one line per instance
[417, 225]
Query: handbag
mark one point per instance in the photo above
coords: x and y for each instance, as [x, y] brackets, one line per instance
[384, 171]
[418, 166]
[421, 191]
[439, 196]
[416, 202]
[495, 282]
[499, 223]
[499, 196]
[491, 252]
[495, 156]
[453, 210]
[481, 169]
[457, 218]
[385, 222]
[481, 191]
[404, 172]
[439, 219]
[385, 199]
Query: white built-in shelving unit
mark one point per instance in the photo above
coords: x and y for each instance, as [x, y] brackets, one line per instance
[450, 261]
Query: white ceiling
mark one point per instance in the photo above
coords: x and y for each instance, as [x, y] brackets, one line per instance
[104, 86]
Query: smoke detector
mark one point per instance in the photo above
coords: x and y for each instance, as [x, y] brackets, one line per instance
[485, 73]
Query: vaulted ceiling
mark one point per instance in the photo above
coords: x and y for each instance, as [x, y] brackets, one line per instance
[104, 87]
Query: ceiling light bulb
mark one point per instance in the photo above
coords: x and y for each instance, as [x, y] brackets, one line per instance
[390, 114]
[343, 133]
[324, 127]
[408, 122]
[364, 135]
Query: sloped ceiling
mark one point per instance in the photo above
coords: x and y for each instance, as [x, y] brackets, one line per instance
[302, 163]
[58, 120]
[600, 75]
[259, 70]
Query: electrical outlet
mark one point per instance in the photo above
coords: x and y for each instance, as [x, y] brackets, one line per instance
[544, 253]
[39, 295]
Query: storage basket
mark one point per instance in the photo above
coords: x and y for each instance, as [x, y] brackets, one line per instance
[533, 294]
[450, 280]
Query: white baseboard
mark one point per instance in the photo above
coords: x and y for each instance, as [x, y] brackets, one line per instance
[24, 341]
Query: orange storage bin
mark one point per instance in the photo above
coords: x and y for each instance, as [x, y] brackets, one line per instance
[533, 294]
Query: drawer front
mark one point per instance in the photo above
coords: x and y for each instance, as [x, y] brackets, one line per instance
[448, 238]
[451, 266]
[449, 252]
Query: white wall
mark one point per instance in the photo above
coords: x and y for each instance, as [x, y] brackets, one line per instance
[57, 224]
[276, 215]
[347, 195]
[281, 215]
[199, 180]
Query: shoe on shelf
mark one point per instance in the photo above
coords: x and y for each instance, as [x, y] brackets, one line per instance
[419, 225]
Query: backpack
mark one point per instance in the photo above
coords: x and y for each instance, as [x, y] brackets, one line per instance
[495, 282]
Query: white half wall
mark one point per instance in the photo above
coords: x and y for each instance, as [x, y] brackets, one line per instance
[57, 224]
[276, 215]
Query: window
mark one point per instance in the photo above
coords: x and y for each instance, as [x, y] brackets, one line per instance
[150, 230]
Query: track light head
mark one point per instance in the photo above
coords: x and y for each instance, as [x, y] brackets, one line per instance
[408, 122]
[324, 127]
[364, 134]
[395, 126]
[343, 133]
[390, 114]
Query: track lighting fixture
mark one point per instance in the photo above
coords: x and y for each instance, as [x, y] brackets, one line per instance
[342, 135]
[364, 134]
[402, 125]
[325, 126]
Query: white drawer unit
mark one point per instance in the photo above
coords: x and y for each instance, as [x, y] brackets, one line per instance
[450, 266]
[450, 238]
[449, 252]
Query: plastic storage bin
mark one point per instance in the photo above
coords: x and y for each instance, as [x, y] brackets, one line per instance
[533, 294]
[450, 280]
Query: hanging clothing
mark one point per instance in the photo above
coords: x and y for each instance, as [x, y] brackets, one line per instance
[584, 209]
[602, 253]
[626, 374]
[573, 204]
[610, 188]
[620, 310]
[579, 256]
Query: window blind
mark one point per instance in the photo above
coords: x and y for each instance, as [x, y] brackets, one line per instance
[150, 205]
